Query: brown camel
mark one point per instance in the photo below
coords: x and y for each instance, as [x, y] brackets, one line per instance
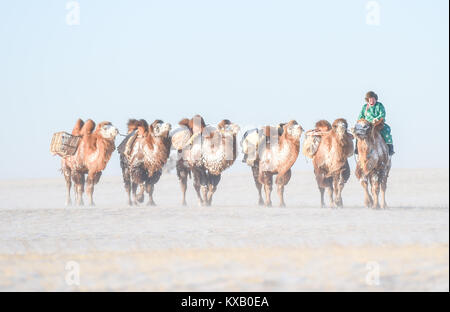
[373, 163]
[330, 162]
[91, 158]
[147, 155]
[277, 151]
[209, 152]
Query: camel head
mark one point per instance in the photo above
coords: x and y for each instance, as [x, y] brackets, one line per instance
[340, 126]
[160, 128]
[293, 130]
[228, 127]
[106, 130]
[362, 129]
[323, 125]
[132, 125]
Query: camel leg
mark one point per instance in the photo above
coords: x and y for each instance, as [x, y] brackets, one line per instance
[197, 190]
[338, 198]
[182, 173]
[204, 187]
[150, 189]
[68, 178]
[212, 187]
[375, 192]
[268, 191]
[140, 194]
[281, 181]
[126, 177]
[204, 194]
[92, 179]
[255, 171]
[367, 198]
[383, 204]
[78, 179]
[338, 185]
[330, 196]
[280, 195]
[323, 184]
[134, 187]
[199, 185]
[383, 186]
[266, 178]
[183, 182]
[128, 190]
[322, 201]
[341, 179]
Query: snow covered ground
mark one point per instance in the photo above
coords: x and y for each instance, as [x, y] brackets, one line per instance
[233, 245]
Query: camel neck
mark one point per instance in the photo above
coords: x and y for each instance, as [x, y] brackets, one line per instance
[105, 149]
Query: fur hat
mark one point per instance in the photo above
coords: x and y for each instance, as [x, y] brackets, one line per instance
[371, 94]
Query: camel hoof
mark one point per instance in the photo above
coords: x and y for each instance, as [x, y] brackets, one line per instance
[268, 205]
[68, 204]
[283, 205]
[151, 204]
[183, 203]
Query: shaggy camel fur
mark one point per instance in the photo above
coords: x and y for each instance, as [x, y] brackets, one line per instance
[330, 162]
[374, 162]
[276, 153]
[208, 153]
[91, 158]
[147, 153]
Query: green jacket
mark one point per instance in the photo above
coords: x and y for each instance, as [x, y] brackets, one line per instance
[376, 111]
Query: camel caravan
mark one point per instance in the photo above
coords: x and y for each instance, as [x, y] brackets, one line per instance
[205, 151]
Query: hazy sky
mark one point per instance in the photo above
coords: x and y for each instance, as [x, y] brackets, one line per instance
[254, 62]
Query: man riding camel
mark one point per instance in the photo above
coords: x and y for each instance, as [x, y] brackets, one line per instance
[373, 111]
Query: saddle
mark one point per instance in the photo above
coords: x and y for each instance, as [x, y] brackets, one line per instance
[126, 146]
[311, 143]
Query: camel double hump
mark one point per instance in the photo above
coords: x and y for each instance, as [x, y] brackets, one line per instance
[272, 151]
[143, 153]
[90, 158]
[330, 162]
[205, 151]
[205, 155]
